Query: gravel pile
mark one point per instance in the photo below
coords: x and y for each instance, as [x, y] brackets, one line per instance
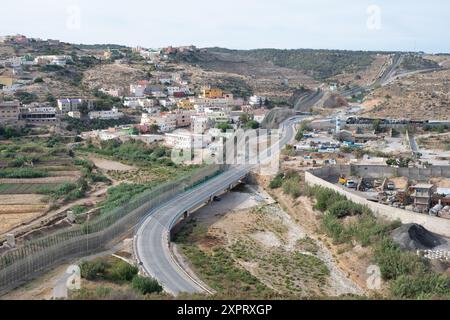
[414, 237]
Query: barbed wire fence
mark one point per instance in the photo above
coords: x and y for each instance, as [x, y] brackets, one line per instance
[32, 257]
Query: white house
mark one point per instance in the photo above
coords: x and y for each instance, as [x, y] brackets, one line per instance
[115, 92]
[113, 114]
[257, 100]
[186, 141]
[52, 60]
[172, 90]
[139, 102]
[199, 124]
[67, 105]
[166, 123]
[166, 80]
[138, 90]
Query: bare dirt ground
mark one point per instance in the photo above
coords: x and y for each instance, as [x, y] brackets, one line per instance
[443, 60]
[352, 260]
[262, 78]
[110, 165]
[276, 248]
[49, 180]
[42, 287]
[20, 224]
[418, 97]
[39, 289]
[434, 141]
[441, 182]
[112, 76]
[15, 209]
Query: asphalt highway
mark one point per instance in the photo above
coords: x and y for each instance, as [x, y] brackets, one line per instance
[152, 240]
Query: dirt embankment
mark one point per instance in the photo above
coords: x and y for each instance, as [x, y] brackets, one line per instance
[267, 242]
[422, 96]
[353, 261]
[112, 76]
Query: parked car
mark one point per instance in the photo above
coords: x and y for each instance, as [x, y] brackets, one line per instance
[351, 184]
[391, 186]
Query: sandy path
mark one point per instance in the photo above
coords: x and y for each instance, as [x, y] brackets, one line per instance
[110, 165]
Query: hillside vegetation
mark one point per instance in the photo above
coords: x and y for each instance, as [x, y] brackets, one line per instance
[320, 64]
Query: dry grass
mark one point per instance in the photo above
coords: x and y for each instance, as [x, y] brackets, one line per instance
[418, 97]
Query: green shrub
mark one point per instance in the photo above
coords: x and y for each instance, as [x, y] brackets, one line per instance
[334, 228]
[368, 230]
[299, 135]
[89, 165]
[292, 187]
[79, 209]
[345, 208]
[146, 285]
[393, 262]
[276, 182]
[428, 285]
[326, 198]
[22, 173]
[93, 270]
[123, 271]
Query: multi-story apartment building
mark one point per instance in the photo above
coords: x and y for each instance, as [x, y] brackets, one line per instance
[166, 123]
[185, 141]
[9, 112]
[199, 124]
[139, 102]
[212, 93]
[67, 105]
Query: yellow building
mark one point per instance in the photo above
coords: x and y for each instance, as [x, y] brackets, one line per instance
[212, 93]
[6, 81]
[185, 104]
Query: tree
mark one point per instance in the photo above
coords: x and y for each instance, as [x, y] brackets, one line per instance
[153, 129]
[84, 108]
[224, 127]
[244, 118]
[299, 135]
[252, 124]
[52, 100]
[377, 125]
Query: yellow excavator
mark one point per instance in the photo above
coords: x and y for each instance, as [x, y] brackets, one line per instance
[343, 180]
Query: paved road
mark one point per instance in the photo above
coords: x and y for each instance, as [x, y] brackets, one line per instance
[390, 74]
[152, 243]
[305, 103]
[385, 77]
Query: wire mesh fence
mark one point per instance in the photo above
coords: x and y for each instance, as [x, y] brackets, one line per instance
[22, 263]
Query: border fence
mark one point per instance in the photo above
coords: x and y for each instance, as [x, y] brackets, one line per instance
[21, 264]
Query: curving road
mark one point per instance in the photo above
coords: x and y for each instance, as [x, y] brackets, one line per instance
[152, 240]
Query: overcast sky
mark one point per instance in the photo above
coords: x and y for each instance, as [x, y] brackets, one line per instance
[242, 24]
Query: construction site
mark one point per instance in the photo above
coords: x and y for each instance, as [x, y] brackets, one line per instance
[424, 191]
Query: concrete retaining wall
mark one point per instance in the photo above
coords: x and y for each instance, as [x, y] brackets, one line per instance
[383, 171]
[433, 224]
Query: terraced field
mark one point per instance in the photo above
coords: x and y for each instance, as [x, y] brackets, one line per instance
[25, 188]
